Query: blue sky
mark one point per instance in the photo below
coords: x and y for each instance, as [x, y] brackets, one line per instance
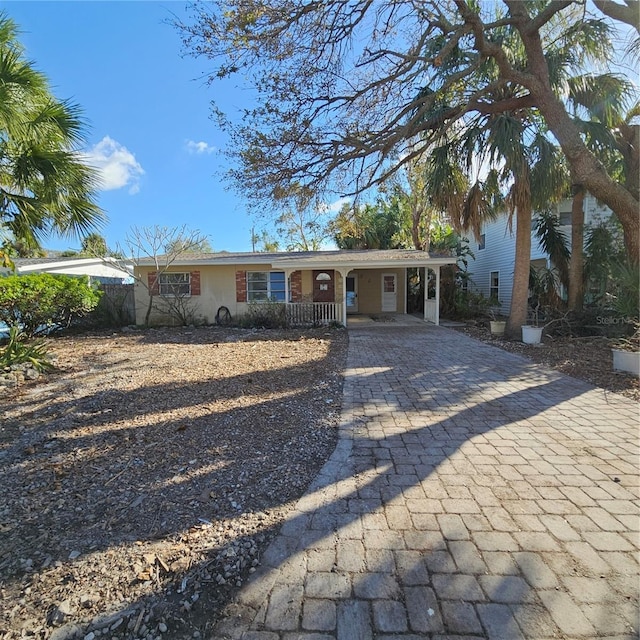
[148, 107]
[148, 110]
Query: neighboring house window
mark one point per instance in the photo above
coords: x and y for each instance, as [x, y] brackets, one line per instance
[482, 241]
[494, 285]
[263, 286]
[174, 284]
[565, 218]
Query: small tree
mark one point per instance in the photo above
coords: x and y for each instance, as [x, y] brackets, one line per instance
[161, 247]
[37, 302]
[186, 245]
[94, 244]
[302, 228]
[263, 241]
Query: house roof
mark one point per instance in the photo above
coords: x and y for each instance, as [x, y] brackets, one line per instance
[352, 259]
[94, 267]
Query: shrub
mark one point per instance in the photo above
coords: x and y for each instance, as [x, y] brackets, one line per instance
[265, 315]
[17, 351]
[38, 302]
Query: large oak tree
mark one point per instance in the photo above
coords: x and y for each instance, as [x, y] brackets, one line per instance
[341, 90]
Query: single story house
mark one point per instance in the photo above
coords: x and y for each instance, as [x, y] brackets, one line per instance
[326, 286]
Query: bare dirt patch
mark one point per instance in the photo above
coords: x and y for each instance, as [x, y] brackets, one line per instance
[143, 479]
[587, 358]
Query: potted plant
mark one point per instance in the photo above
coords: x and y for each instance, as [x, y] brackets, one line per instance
[626, 353]
[497, 322]
[532, 333]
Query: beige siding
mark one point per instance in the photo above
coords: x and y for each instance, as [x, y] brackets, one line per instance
[307, 286]
[339, 291]
[218, 288]
[370, 290]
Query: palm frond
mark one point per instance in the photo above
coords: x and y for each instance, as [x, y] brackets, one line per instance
[554, 242]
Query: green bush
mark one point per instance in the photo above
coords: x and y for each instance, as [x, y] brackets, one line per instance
[38, 302]
[17, 351]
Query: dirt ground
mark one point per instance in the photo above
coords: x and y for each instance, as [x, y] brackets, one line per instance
[587, 358]
[141, 481]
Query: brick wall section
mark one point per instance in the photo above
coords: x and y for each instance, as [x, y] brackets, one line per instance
[152, 281]
[296, 286]
[241, 286]
[195, 283]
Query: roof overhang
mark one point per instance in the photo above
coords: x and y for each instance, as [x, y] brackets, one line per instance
[93, 267]
[340, 260]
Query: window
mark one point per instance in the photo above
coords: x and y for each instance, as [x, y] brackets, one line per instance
[565, 218]
[494, 285]
[264, 286]
[174, 284]
[481, 243]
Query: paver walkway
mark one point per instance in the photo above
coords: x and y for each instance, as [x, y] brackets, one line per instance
[472, 494]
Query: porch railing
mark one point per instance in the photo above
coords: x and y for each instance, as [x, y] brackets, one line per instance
[314, 313]
[431, 310]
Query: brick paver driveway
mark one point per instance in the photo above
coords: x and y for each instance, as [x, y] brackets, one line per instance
[472, 494]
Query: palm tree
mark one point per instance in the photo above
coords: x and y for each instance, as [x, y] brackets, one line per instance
[368, 226]
[519, 141]
[44, 185]
[516, 149]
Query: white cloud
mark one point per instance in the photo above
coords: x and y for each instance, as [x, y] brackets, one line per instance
[334, 207]
[117, 165]
[199, 147]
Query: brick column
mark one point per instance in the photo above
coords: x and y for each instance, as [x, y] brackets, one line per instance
[296, 286]
[195, 283]
[241, 286]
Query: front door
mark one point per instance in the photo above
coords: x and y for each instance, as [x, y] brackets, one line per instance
[324, 286]
[389, 292]
[352, 294]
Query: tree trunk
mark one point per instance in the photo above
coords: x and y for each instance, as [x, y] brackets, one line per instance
[415, 233]
[520, 290]
[147, 315]
[576, 264]
[592, 175]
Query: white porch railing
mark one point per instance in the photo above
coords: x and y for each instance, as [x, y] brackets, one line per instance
[314, 313]
[431, 310]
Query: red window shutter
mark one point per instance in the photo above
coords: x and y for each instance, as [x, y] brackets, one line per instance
[154, 285]
[241, 286]
[195, 283]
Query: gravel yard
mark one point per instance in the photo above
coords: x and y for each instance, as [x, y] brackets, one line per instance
[587, 358]
[143, 479]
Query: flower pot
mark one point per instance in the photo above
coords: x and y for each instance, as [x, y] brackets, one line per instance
[628, 361]
[531, 335]
[497, 327]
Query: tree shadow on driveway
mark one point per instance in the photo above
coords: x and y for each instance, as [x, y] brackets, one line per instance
[457, 502]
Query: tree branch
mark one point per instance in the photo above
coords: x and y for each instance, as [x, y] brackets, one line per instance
[629, 13]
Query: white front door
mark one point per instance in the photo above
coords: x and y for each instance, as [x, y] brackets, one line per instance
[389, 292]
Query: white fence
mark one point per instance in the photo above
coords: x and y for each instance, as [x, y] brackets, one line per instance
[314, 313]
